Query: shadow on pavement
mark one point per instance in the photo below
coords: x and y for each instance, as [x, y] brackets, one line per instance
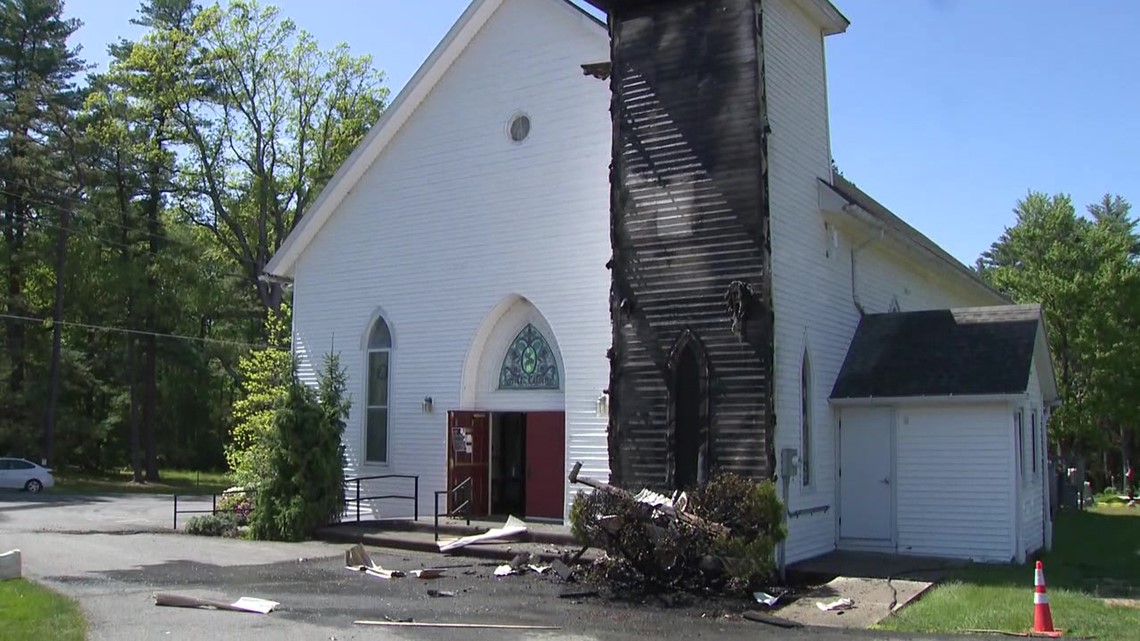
[13, 501]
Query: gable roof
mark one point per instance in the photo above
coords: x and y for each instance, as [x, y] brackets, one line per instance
[902, 230]
[978, 351]
[469, 24]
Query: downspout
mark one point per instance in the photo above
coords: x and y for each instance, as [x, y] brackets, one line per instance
[854, 252]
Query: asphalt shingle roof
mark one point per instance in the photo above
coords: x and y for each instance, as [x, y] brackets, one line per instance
[968, 351]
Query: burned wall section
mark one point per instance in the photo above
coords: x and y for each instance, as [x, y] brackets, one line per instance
[690, 237]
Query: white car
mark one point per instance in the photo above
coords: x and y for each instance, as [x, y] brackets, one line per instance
[16, 473]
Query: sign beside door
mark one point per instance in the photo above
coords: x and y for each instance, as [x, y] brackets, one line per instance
[468, 457]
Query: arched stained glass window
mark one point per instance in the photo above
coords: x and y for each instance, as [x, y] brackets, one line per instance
[529, 363]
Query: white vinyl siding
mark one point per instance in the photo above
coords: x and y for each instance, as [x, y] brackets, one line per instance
[1032, 488]
[811, 277]
[953, 480]
[454, 218]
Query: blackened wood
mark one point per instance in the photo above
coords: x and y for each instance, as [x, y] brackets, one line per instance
[690, 235]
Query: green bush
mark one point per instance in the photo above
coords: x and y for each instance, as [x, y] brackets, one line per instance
[220, 524]
[305, 488]
[753, 514]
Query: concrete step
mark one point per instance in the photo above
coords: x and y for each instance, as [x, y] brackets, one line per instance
[415, 540]
[452, 528]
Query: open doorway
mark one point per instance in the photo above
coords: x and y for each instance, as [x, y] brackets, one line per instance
[508, 463]
[515, 461]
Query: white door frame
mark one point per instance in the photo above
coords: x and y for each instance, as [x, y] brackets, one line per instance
[871, 545]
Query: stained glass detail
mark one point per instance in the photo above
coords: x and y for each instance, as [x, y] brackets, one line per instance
[529, 363]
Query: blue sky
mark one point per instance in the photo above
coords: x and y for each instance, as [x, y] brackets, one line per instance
[946, 111]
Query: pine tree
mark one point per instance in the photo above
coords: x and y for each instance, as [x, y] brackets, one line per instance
[305, 489]
[38, 98]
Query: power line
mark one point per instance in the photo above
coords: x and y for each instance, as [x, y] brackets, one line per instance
[139, 332]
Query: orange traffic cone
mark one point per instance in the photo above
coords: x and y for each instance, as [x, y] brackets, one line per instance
[1042, 615]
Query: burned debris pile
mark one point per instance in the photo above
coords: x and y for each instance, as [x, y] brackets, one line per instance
[720, 538]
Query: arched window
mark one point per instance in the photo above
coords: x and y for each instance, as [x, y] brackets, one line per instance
[529, 363]
[688, 418]
[687, 410]
[378, 393]
[805, 419]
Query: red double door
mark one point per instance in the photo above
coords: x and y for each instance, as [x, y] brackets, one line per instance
[469, 454]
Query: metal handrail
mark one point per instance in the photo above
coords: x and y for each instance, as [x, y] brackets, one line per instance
[213, 503]
[464, 508]
[415, 497]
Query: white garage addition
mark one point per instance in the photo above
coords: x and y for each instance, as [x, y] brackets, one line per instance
[942, 446]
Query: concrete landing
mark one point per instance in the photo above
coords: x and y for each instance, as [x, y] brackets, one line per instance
[870, 565]
[874, 600]
[879, 584]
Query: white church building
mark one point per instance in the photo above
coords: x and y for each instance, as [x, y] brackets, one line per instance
[458, 263]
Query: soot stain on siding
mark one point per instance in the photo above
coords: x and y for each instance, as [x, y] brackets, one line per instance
[690, 237]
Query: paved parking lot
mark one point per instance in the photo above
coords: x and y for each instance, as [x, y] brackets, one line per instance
[115, 566]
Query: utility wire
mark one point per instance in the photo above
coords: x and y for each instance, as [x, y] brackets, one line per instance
[139, 332]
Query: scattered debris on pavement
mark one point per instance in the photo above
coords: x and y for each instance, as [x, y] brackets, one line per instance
[514, 527]
[11, 565]
[424, 624]
[357, 559]
[521, 564]
[564, 571]
[441, 593]
[427, 573]
[244, 604]
[837, 605]
[766, 599]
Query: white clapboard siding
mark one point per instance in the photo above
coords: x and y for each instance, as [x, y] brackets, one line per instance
[812, 291]
[454, 218]
[953, 479]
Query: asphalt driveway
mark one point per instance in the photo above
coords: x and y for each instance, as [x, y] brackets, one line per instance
[101, 551]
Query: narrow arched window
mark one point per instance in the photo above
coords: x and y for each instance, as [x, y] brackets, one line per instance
[805, 419]
[378, 393]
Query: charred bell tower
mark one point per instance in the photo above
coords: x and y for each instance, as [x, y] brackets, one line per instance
[691, 363]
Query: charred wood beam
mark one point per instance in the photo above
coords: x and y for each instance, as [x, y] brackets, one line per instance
[599, 70]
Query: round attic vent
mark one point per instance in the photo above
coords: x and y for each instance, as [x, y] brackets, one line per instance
[520, 127]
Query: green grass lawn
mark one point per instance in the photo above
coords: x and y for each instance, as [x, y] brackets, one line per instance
[1096, 555]
[172, 482]
[29, 611]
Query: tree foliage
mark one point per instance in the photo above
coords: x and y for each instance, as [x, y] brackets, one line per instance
[266, 375]
[139, 206]
[1084, 270]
